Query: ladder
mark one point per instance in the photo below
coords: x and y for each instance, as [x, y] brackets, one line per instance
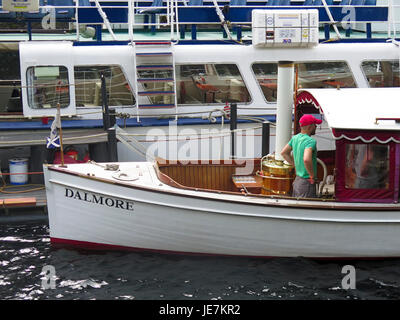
[155, 76]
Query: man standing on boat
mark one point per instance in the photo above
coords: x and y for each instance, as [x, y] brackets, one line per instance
[304, 157]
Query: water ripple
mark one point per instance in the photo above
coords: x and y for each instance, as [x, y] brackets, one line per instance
[26, 255]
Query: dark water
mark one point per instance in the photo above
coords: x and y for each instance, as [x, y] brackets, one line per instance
[25, 249]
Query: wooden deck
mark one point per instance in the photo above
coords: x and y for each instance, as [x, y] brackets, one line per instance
[23, 203]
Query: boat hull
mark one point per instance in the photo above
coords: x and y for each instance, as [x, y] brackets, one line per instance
[84, 212]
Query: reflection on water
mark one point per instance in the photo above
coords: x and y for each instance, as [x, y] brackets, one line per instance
[26, 254]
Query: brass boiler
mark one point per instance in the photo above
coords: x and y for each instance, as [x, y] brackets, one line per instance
[277, 176]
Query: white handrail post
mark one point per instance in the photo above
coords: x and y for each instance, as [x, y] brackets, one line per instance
[393, 19]
[177, 21]
[77, 19]
[389, 22]
[174, 23]
[131, 14]
[169, 16]
[169, 11]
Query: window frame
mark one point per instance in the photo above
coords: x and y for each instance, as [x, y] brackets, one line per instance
[132, 91]
[379, 195]
[222, 78]
[380, 60]
[31, 86]
[368, 149]
[297, 63]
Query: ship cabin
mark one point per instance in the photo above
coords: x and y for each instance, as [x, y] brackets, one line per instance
[358, 141]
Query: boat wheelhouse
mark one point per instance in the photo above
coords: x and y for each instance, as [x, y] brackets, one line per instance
[366, 141]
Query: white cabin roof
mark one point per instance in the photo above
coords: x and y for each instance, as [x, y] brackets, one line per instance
[359, 108]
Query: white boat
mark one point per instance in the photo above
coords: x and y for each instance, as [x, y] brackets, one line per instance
[220, 207]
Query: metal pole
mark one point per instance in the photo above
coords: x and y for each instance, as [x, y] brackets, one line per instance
[233, 123]
[131, 17]
[105, 19]
[222, 18]
[112, 137]
[112, 145]
[112, 117]
[108, 123]
[60, 133]
[265, 139]
[77, 19]
[29, 27]
[333, 22]
[284, 108]
[106, 112]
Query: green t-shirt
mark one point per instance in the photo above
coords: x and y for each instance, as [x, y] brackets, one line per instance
[299, 143]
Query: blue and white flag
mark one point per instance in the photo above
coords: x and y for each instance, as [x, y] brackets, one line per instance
[54, 140]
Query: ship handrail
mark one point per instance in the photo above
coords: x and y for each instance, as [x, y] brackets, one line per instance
[108, 14]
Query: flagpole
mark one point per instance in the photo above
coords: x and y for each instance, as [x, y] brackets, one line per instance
[61, 137]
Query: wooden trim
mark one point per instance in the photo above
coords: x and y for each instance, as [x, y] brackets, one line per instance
[16, 202]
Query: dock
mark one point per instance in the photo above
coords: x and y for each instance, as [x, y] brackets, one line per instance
[23, 203]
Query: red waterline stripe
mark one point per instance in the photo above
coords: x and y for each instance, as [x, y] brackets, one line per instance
[58, 242]
[102, 246]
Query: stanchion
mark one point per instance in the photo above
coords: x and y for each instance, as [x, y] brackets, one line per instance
[112, 145]
[106, 112]
[108, 123]
[112, 138]
[265, 139]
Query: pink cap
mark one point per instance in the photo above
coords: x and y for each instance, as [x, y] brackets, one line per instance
[308, 119]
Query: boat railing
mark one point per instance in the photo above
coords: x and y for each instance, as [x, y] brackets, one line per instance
[173, 15]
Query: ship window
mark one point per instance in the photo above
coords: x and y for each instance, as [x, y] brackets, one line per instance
[10, 81]
[382, 73]
[210, 83]
[267, 75]
[9, 67]
[88, 86]
[367, 166]
[319, 74]
[47, 86]
[158, 80]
